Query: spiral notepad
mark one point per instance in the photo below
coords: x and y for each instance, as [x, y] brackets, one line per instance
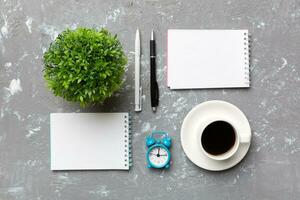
[90, 141]
[208, 59]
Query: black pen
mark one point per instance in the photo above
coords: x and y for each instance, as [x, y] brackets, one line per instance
[153, 82]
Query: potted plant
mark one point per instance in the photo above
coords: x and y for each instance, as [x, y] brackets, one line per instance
[84, 65]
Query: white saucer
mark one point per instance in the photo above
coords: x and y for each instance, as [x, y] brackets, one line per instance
[189, 135]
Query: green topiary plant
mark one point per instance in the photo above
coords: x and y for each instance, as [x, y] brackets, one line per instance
[84, 65]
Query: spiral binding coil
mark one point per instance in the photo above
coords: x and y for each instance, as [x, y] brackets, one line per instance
[247, 58]
[127, 141]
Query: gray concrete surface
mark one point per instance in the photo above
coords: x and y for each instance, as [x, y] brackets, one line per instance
[271, 170]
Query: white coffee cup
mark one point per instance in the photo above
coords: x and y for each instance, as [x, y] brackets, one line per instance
[239, 138]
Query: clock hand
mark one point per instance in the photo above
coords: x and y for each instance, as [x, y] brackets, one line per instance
[163, 155]
[158, 151]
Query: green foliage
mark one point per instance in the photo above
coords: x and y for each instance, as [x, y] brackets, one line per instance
[84, 65]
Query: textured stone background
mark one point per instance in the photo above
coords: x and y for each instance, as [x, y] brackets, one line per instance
[271, 170]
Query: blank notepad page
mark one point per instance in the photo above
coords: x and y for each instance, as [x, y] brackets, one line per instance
[89, 141]
[208, 59]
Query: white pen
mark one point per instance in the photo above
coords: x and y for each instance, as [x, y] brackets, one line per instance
[138, 88]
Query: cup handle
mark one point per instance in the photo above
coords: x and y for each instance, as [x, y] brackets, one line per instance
[245, 138]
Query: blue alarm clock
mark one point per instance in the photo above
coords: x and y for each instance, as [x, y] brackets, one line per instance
[158, 155]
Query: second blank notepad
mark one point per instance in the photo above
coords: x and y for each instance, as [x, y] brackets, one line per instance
[90, 141]
[208, 59]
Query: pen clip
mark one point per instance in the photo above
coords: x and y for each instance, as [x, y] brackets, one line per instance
[141, 90]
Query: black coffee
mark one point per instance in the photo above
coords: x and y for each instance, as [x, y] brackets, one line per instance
[218, 138]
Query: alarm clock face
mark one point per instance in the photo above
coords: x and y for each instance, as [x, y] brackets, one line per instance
[159, 156]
